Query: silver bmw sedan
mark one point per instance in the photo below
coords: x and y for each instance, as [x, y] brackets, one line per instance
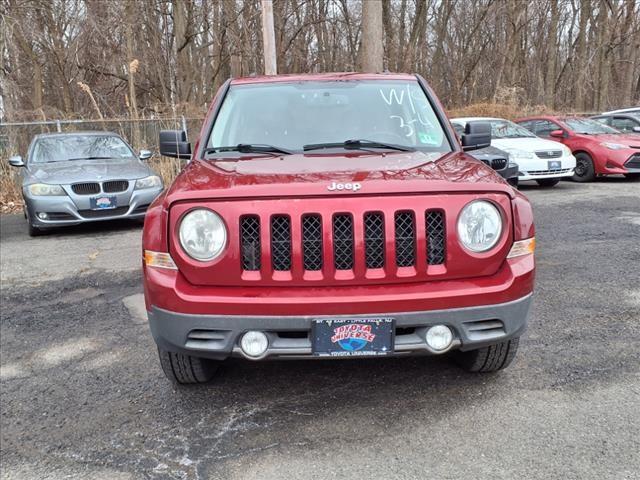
[72, 178]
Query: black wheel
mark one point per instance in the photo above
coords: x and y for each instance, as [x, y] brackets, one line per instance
[548, 182]
[585, 171]
[489, 359]
[632, 176]
[185, 369]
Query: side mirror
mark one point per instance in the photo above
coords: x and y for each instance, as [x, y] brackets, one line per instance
[556, 133]
[145, 154]
[173, 143]
[16, 161]
[477, 134]
[636, 129]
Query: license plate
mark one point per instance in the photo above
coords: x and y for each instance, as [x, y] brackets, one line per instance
[103, 203]
[347, 337]
[555, 165]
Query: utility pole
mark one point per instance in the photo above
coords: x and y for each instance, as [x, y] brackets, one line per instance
[269, 39]
[371, 50]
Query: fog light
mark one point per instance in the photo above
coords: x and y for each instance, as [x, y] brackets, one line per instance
[439, 337]
[43, 216]
[254, 343]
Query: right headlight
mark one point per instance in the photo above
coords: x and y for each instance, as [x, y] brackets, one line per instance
[44, 189]
[516, 153]
[479, 226]
[202, 234]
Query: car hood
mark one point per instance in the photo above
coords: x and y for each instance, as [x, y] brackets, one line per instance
[528, 144]
[87, 171]
[489, 153]
[301, 175]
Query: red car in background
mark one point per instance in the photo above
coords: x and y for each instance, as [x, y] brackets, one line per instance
[599, 149]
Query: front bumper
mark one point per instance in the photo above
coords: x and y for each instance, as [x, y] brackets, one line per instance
[538, 169]
[218, 336]
[63, 210]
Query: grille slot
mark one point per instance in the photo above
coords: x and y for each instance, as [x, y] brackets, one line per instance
[312, 242]
[343, 241]
[549, 153]
[250, 242]
[634, 161]
[109, 212]
[436, 237]
[405, 239]
[374, 240]
[113, 186]
[281, 243]
[90, 188]
[498, 163]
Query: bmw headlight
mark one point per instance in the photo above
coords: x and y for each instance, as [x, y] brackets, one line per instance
[203, 234]
[479, 226]
[43, 189]
[148, 182]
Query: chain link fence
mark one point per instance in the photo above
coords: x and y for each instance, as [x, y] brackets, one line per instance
[140, 134]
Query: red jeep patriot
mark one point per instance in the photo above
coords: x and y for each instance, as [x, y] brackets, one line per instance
[334, 215]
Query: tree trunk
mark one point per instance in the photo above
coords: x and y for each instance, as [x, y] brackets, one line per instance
[371, 52]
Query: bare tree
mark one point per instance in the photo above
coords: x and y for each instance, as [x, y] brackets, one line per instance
[371, 51]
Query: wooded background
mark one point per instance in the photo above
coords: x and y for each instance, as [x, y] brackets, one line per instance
[114, 58]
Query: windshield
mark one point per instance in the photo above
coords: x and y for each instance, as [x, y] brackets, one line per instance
[292, 115]
[79, 147]
[507, 129]
[588, 126]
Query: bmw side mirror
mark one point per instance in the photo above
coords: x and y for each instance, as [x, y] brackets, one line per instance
[16, 161]
[636, 129]
[477, 134]
[173, 143]
[556, 134]
[145, 154]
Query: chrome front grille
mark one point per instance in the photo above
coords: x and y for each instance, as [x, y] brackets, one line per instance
[340, 235]
[549, 154]
[114, 186]
[89, 188]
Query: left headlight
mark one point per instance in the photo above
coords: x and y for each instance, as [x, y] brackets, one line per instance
[148, 182]
[479, 226]
[43, 189]
[613, 146]
[202, 234]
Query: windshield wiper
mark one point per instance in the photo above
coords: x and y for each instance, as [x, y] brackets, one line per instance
[358, 145]
[88, 158]
[250, 148]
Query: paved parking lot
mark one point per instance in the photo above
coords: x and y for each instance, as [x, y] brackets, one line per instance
[83, 396]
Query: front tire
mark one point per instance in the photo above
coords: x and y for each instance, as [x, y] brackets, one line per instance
[33, 231]
[186, 369]
[584, 171]
[489, 359]
[548, 182]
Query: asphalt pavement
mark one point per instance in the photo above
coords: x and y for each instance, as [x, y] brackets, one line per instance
[82, 394]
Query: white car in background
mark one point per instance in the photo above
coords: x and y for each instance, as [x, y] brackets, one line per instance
[544, 161]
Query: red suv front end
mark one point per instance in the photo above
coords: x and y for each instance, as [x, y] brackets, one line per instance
[296, 244]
